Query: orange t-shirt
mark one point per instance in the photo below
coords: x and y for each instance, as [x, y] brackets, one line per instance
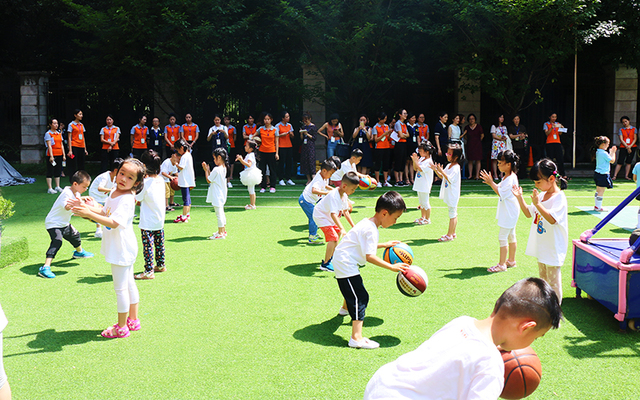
[232, 136]
[380, 130]
[423, 131]
[56, 146]
[628, 135]
[189, 132]
[249, 130]
[172, 133]
[404, 131]
[110, 134]
[554, 136]
[139, 137]
[268, 137]
[77, 134]
[283, 133]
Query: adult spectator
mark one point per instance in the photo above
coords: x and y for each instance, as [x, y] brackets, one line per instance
[474, 135]
[441, 138]
[628, 146]
[519, 140]
[553, 129]
[333, 132]
[499, 144]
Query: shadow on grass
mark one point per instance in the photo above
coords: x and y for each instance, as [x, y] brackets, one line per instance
[600, 332]
[386, 341]
[421, 242]
[299, 228]
[186, 239]
[49, 340]
[324, 333]
[293, 242]
[310, 269]
[32, 269]
[92, 280]
[465, 273]
[401, 225]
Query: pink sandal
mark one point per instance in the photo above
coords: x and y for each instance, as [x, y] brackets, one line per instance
[446, 238]
[510, 264]
[133, 324]
[497, 268]
[115, 331]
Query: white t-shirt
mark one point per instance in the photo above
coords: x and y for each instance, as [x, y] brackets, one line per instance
[60, 217]
[152, 204]
[319, 183]
[457, 362]
[331, 203]
[104, 181]
[508, 207]
[424, 178]
[120, 245]
[186, 176]
[345, 167]
[250, 158]
[450, 191]
[352, 251]
[168, 168]
[214, 129]
[548, 243]
[217, 194]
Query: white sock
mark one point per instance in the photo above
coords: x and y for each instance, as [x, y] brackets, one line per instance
[599, 201]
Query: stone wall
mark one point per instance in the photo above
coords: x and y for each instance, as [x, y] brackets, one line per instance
[312, 78]
[625, 98]
[34, 93]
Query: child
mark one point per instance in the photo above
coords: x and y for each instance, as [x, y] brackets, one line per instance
[508, 213]
[636, 172]
[319, 186]
[251, 175]
[450, 188]
[357, 248]
[152, 213]
[603, 161]
[168, 170]
[56, 155]
[58, 223]
[349, 165]
[101, 187]
[119, 244]
[424, 180]
[217, 194]
[327, 215]
[186, 179]
[462, 360]
[548, 236]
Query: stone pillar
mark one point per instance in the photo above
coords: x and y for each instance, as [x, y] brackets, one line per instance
[625, 98]
[34, 90]
[467, 102]
[313, 80]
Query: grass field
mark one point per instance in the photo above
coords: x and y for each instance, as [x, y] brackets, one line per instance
[252, 316]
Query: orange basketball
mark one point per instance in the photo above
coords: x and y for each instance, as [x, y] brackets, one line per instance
[522, 373]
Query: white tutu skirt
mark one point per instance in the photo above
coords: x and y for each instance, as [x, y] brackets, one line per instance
[251, 177]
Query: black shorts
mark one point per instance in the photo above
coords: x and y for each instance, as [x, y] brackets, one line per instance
[624, 157]
[355, 295]
[602, 180]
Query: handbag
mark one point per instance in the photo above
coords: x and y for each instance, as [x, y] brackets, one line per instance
[343, 150]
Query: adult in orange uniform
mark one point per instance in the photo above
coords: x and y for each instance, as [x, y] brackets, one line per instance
[553, 145]
[269, 148]
[77, 148]
[628, 145]
[139, 137]
[109, 136]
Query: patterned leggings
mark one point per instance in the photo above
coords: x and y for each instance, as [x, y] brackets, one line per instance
[152, 239]
[553, 277]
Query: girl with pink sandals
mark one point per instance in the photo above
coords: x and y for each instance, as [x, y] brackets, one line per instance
[119, 242]
[450, 188]
[508, 208]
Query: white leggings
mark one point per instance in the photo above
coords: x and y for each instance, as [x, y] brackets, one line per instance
[222, 220]
[506, 236]
[3, 375]
[125, 286]
[251, 189]
[553, 277]
[423, 200]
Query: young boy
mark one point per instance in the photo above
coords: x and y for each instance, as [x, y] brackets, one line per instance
[319, 186]
[101, 187]
[347, 166]
[327, 215]
[168, 170]
[357, 248]
[636, 172]
[462, 360]
[58, 223]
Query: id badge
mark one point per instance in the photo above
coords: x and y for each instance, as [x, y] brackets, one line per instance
[190, 137]
[157, 143]
[359, 140]
[628, 140]
[555, 137]
[415, 139]
[333, 139]
[218, 142]
[142, 141]
[383, 139]
[304, 141]
[173, 139]
[80, 136]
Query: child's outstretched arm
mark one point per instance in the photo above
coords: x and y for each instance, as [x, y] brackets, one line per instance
[347, 216]
[85, 211]
[541, 209]
[517, 192]
[440, 172]
[336, 220]
[486, 178]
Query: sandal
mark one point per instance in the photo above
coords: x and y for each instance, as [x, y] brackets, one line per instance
[510, 264]
[497, 268]
[115, 331]
[133, 324]
[445, 238]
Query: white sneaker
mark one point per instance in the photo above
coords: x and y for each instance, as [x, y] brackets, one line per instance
[98, 233]
[229, 185]
[262, 190]
[363, 344]
[217, 236]
[290, 182]
[281, 183]
[272, 190]
[387, 184]
[343, 312]
[58, 189]
[51, 191]
[379, 184]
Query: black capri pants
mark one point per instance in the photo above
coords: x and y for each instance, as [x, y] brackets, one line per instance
[268, 159]
[68, 233]
[355, 295]
[399, 156]
[624, 157]
[54, 172]
[555, 153]
[382, 157]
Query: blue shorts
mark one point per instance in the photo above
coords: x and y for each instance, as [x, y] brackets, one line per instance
[186, 196]
[602, 180]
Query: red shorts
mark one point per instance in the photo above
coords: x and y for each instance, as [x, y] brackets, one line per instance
[336, 183]
[331, 233]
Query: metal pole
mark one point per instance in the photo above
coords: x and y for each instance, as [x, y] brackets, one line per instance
[575, 103]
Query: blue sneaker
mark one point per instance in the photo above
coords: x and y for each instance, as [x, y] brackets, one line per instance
[326, 267]
[315, 239]
[82, 254]
[45, 272]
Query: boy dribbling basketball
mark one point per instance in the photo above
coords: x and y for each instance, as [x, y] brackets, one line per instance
[462, 360]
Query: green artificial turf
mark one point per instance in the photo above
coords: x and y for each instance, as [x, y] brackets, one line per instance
[252, 316]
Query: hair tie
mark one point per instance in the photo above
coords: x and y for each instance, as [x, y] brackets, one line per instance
[556, 174]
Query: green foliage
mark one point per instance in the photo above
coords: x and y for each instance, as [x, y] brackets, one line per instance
[6, 208]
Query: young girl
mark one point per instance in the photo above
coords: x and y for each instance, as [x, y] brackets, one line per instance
[499, 144]
[548, 237]
[55, 154]
[251, 175]
[268, 152]
[119, 244]
[152, 213]
[450, 188]
[77, 147]
[285, 132]
[217, 194]
[424, 179]
[186, 179]
[603, 162]
[507, 214]
[383, 150]
[109, 136]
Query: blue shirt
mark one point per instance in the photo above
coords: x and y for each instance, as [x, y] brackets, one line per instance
[603, 159]
[636, 172]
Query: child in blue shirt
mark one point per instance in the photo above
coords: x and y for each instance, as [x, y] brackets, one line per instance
[603, 162]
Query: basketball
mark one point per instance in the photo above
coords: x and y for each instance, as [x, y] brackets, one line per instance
[364, 183]
[522, 373]
[400, 253]
[174, 184]
[412, 282]
[374, 184]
